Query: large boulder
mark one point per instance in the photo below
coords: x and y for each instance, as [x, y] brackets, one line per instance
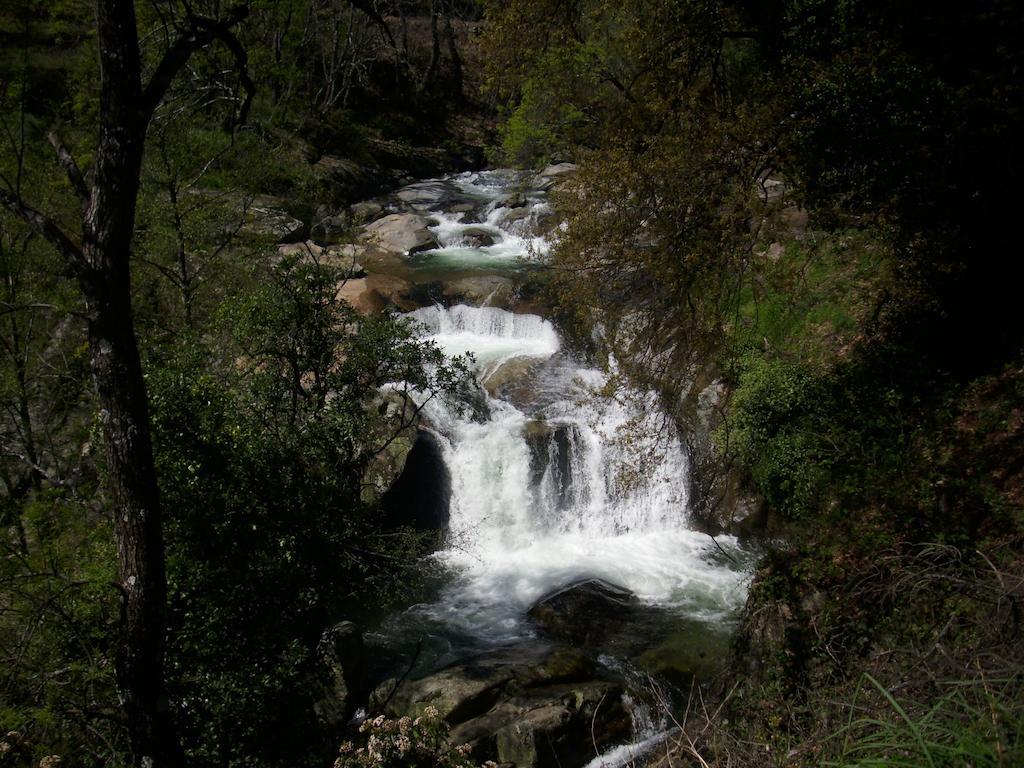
[587, 612]
[565, 726]
[429, 195]
[514, 215]
[360, 295]
[393, 291]
[344, 258]
[387, 465]
[477, 237]
[366, 211]
[485, 291]
[400, 233]
[554, 174]
[329, 225]
[420, 497]
[344, 180]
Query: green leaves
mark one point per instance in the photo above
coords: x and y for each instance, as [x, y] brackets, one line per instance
[263, 430]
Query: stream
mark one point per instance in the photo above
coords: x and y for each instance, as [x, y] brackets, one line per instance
[555, 475]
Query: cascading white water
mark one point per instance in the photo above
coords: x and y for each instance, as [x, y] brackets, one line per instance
[508, 225]
[562, 481]
[565, 474]
[492, 335]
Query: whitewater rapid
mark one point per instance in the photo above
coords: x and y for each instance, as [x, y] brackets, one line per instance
[561, 471]
[564, 481]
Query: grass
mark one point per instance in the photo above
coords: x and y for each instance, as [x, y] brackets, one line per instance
[977, 723]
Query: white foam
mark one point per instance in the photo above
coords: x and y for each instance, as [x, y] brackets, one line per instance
[588, 485]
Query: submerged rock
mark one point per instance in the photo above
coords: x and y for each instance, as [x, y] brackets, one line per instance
[477, 237]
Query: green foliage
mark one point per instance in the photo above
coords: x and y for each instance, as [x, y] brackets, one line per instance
[57, 628]
[549, 120]
[262, 443]
[778, 429]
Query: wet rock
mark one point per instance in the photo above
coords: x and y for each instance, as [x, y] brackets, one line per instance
[477, 237]
[464, 690]
[388, 465]
[464, 208]
[342, 661]
[401, 233]
[420, 497]
[561, 665]
[426, 294]
[551, 448]
[487, 291]
[531, 705]
[690, 650]
[516, 214]
[565, 726]
[514, 200]
[587, 612]
[512, 380]
[721, 502]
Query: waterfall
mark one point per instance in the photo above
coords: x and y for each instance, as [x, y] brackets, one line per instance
[562, 481]
[564, 473]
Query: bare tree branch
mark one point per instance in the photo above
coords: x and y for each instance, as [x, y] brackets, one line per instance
[67, 162]
[49, 230]
[202, 32]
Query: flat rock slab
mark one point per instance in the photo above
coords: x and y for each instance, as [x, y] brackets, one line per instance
[532, 705]
[430, 195]
[399, 233]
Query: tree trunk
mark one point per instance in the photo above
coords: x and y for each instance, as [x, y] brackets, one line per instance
[117, 373]
[435, 49]
[453, 54]
[101, 265]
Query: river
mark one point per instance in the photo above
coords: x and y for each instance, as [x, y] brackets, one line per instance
[555, 476]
